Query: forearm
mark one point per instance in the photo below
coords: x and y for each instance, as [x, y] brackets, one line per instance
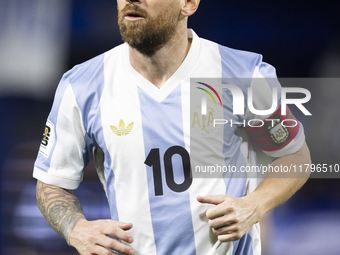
[272, 192]
[60, 207]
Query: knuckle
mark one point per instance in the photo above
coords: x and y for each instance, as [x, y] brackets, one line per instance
[226, 218]
[126, 250]
[233, 219]
[228, 199]
[106, 252]
[230, 209]
[114, 231]
[238, 237]
[234, 229]
[208, 214]
[226, 207]
[112, 244]
[88, 247]
[227, 221]
[91, 238]
[97, 227]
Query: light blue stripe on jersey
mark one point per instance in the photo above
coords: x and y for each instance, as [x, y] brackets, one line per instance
[244, 246]
[163, 128]
[88, 85]
[87, 82]
[236, 64]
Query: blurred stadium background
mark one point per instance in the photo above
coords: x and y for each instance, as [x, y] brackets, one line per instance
[41, 39]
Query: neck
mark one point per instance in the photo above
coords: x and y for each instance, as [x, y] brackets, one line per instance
[159, 67]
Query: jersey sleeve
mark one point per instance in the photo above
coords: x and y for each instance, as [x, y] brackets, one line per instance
[62, 152]
[277, 133]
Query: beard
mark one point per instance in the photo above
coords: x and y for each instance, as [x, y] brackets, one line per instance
[149, 34]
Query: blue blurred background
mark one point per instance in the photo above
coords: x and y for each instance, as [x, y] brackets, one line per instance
[42, 39]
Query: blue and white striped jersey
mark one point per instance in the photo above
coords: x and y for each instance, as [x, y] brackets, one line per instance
[136, 131]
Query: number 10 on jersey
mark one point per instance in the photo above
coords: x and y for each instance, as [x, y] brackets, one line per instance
[154, 160]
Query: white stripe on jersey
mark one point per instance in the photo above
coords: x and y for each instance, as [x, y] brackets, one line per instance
[205, 240]
[130, 182]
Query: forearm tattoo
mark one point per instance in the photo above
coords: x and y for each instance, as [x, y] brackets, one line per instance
[60, 207]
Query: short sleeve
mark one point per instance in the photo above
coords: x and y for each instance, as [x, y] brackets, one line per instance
[277, 134]
[60, 160]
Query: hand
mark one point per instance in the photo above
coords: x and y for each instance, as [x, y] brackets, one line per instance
[231, 218]
[92, 237]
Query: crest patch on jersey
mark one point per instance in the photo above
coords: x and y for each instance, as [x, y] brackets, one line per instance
[48, 139]
[278, 133]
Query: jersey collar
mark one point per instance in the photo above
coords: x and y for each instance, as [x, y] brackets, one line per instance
[181, 73]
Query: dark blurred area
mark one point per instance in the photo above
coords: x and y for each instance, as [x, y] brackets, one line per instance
[42, 39]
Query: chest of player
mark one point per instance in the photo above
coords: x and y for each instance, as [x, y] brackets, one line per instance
[135, 126]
